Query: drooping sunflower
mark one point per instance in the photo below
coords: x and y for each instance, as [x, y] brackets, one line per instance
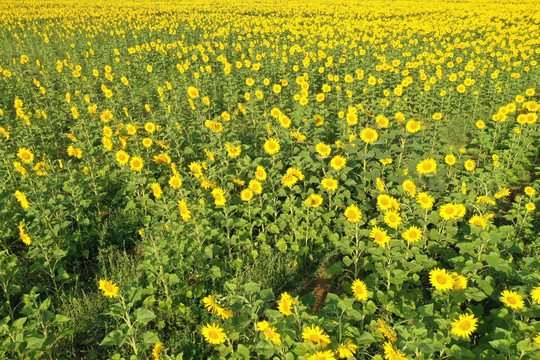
[353, 213]
[359, 290]
[156, 189]
[347, 350]
[512, 299]
[379, 236]
[460, 281]
[329, 184]
[412, 234]
[24, 236]
[285, 304]
[109, 288]
[271, 146]
[157, 349]
[385, 331]
[315, 335]
[22, 199]
[185, 213]
[214, 334]
[427, 166]
[440, 279]
[464, 326]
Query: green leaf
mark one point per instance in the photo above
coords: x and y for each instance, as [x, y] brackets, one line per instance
[335, 269]
[115, 337]
[149, 337]
[144, 316]
[251, 288]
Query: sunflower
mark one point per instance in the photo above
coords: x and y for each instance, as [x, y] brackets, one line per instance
[413, 126]
[193, 92]
[369, 135]
[450, 159]
[359, 290]
[156, 189]
[353, 214]
[537, 339]
[322, 355]
[448, 211]
[260, 173]
[25, 155]
[323, 149]
[255, 186]
[384, 202]
[185, 213]
[460, 281]
[147, 142]
[529, 191]
[347, 350]
[246, 195]
[379, 236]
[219, 196]
[410, 187]
[136, 163]
[109, 289]
[535, 294]
[289, 180]
[157, 349]
[24, 236]
[530, 207]
[122, 157]
[175, 182]
[233, 151]
[315, 335]
[478, 221]
[214, 334]
[338, 162]
[392, 219]
[162, 159]
[329, 184]
[427, 166]
[285, 304]
[425, 200]
[441, 279]
[150, 127]
[392, 354]
[412, 234]
[21, 198]
[385, 331]
[271, 146]
[314, 200]
[512, 299]
[465, 325]
[269, 332]
[470, 165]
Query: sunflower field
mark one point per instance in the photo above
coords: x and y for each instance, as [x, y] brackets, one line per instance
[269, 179]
